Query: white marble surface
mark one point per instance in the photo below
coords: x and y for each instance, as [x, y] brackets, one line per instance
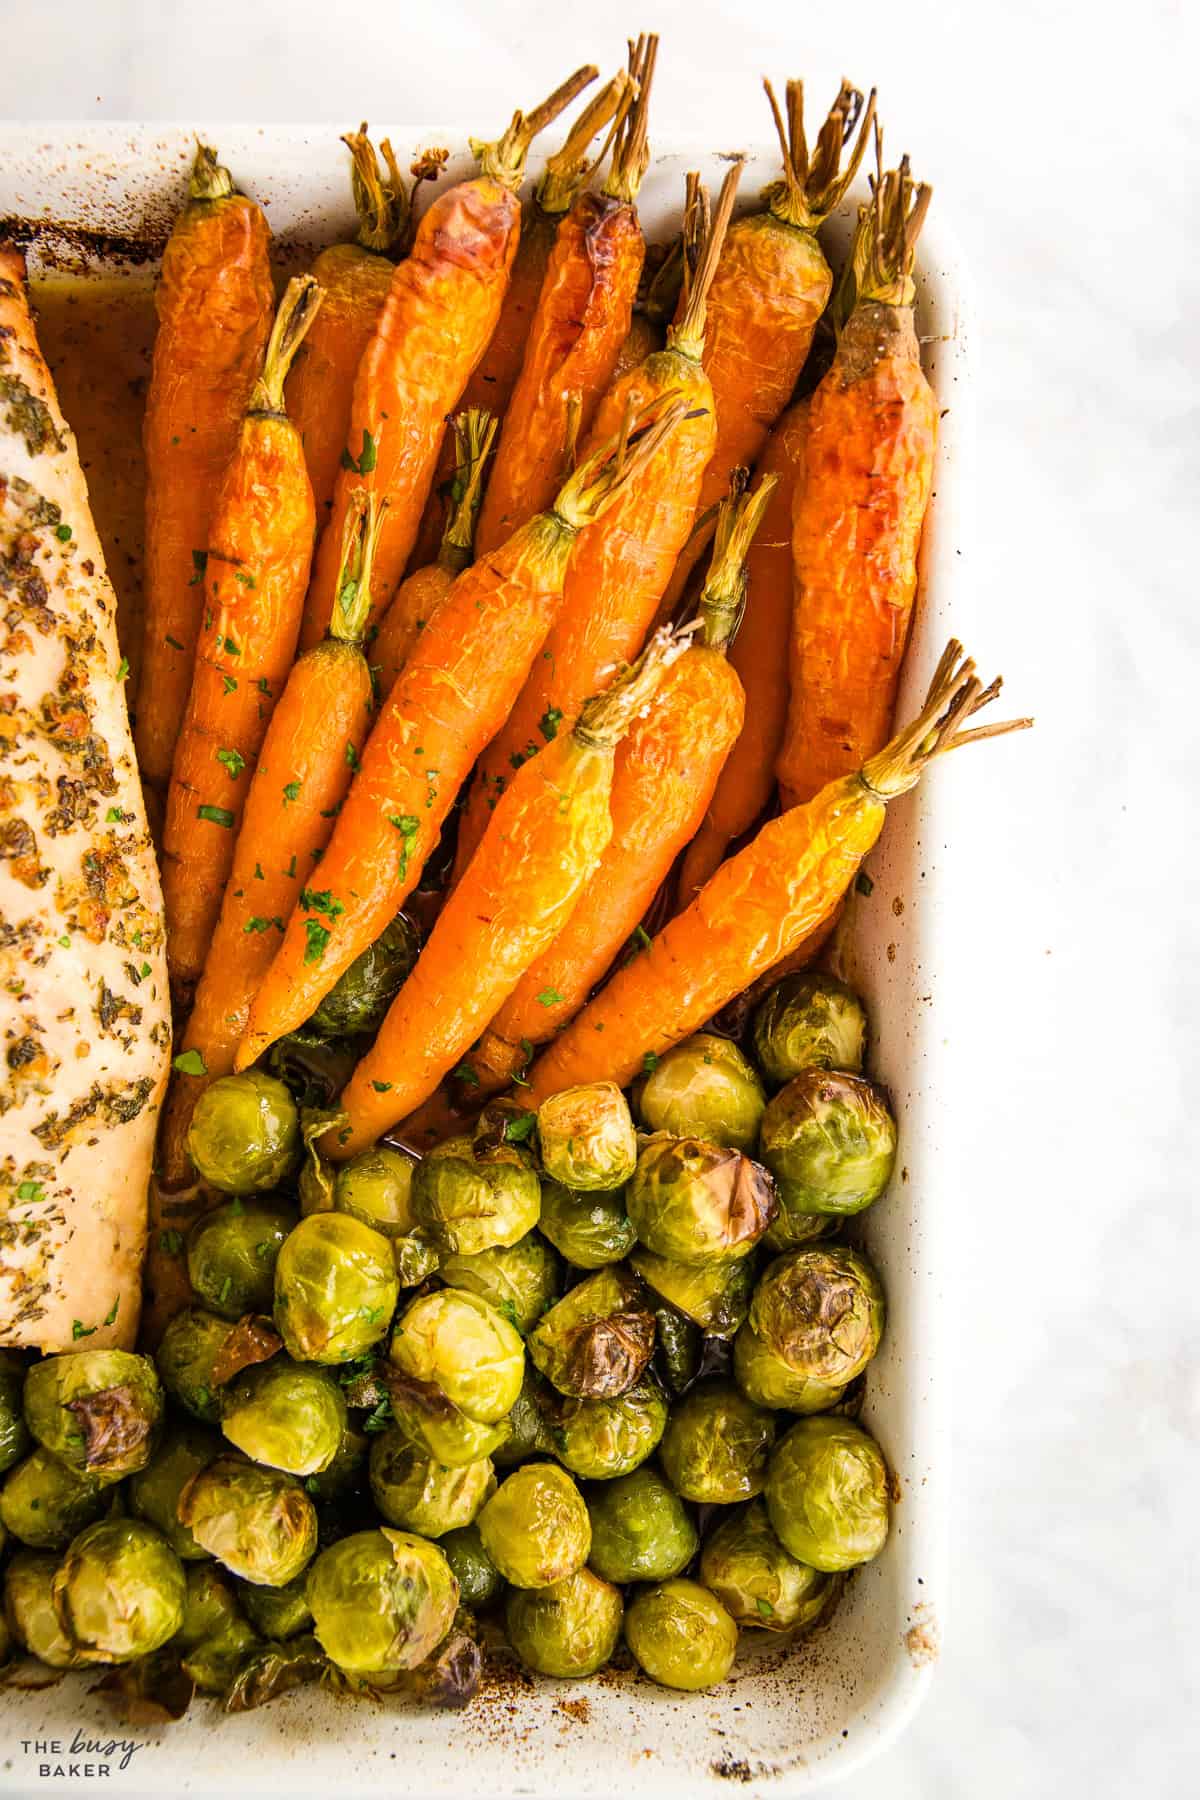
[1063, 141]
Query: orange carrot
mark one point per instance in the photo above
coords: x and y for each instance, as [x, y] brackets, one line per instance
[214, 304]
[441, 309]
[759, 904]
[579, 325]
[858, 513]
[422, 592]
[543, 843]
[760, 656]
[620, 568]
[454, 693]
[253, 582]
[768, 293]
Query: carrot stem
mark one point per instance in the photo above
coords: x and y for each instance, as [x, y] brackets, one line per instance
[688, 335]
[723, 596]
[617, 460]
[474, 433]
[811, 186]
[208, 179]
[504, 160]
[360, 534]
[630, 144]
[605, 718]
[299, 307]
[380, 200]
[567, 168]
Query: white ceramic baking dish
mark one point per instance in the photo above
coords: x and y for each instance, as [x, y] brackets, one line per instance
[790, 1718]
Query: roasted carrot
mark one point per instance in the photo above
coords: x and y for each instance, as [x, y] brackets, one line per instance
[760, 903]
[769, 291]
[579, 325]
[491, 384]
[253, 581]
[857, 515]
[665, 771]
[455, 691]
[543, 844]
[644, 337]
[620, 569]
[760, 656]
[441, 309]
[214, 303]
[422, 592]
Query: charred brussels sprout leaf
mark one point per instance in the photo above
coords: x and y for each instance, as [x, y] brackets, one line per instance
[278, 1613]
[680, 1347]
[376, 1187]
[467, 1202]
[231, 1255]
[590, 1230]
[698, 1203]
[520, 1280]
[43, 1502]
[827, 1494]
[704, 1088]
[356, 1004]
[437, 1427]
[598, 1339]
[599, 1439]
[809, 1021]
[757, 1581]
[277, 1669]
[245, 1133]
[14, 1433]
[154, 1491]
[417, 1494]
[528, 1423]
[716, 1445]
[187, 1357]
[830, 1141]
[313, 1069]
[451, 1676]
[569, 1629]
[119, 1591]
[458, 1343]
[30, 1611]
[535, 1527]
[641, 1530]
[586, 1137]
[716, 1296]
[480, 1583]
[287, 1415]
[97, 1410]
[335, 1288]
[820, 1312]
[681, 1635]
[258, 1522]
[381, 1600]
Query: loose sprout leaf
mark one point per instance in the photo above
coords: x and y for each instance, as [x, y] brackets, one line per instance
[190, 1062]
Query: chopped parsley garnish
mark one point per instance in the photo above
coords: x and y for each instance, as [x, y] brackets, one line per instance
[216, 815]
[190, 1062]
[233, 761]
[318, 938]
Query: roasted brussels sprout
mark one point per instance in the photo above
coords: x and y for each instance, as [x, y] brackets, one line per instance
[599, 1439]
[154, 1491]
[245, 1133]
[463, 1346]
[119, 1591]
[468, 1202]
[716, 1445]
[591, 1230]
[381, 1600]
[569, 1629]
[417, 1494]
[97, 1410]
[716, 1297]
[586, 1137]
[313, 1069]
[14, 1433]
[417, 1258]
[791, 1231]
[830, 1142]
[355, 1005]
[503, 1120]
[529, 1431]
[258, 1522]
[680, 1347]
[335, 1288]
[681, 1635]
[820, 1312]
[698, 1203]
[641, 1530]
[44, 1503]
[809, 1021]
[232, 1252]
[535, 1527]
[451, 1676]
[827, 1494]
[437, 1427]
[704, 1088]
[30, 1611]
[376, 1187]
[480, 1583]
[214, 1637]
[288, 1415]
[595, 1343]
[186, 1359]
[766, 1379]
[520, 1280]
[278, 1613]
[756, 1580]
[345, 1469]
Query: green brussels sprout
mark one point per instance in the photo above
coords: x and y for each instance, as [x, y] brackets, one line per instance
[258, 1522]
[97, 1410]
[791, 1231]
[422, 1413]
[641, 1530]
[355, 1005]
[704, 1088]
[716, 1297]
[503, 1120]
[717, 1444]
[14, 1433]
[586, 1137]
[154, 1491]
[680, 1345]
[766, 1379]
[232, 1252]
[343, 1472]
[245, 1133]
[335, 1288]
[417, 1494]
[416, 1259]
[535, 1527]
[288, 1415]
[569, 1629]
[376, 1187]
[214, 1637]
[809, 1021]
[590, 1230]
[468, 1202]
[463, 1346]
[820, 1312]
[598, 1339]
[480, 1583]
[830, 1142]
[520, 1280]
[827, 1494]
[30, 1611]
[599, 1439]
[313, 1069]
[186, 1359]
[698, 1203]
[278, 1613]
[44, 1503]
[381, 1600]
[756, 1580]
[119, 1591]
[529, 1430]
[681, 1635]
